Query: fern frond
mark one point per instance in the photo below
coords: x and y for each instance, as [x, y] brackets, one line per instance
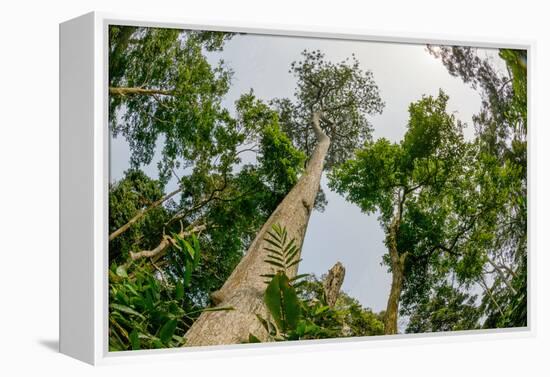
[282, 250]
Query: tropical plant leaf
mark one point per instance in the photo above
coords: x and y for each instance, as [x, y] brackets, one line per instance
[167, 331]
[274, 243]
[253, 339]
[134, 339]
[187, 273]
[300, 276]
[277, 264]
[121, 271]
[276, 257]
[282, 302]
[126, 309]
[294, 263]
[278, 252]
[179, 290]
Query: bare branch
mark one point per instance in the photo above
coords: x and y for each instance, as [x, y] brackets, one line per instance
[142, 213]
[165, 243]
[122, 91]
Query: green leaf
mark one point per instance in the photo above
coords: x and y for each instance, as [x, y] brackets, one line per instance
[301, 329]
[188, 248]
[282, 302]
[277, 264]
[167, 331]
[197, 248]
[293, 263]
[288, 247]
[126, 309]
[134, 339]
[179, 290]
[276, 258]
[300, 276]
[187, 273]
[274, 243]
[253, 339]
[121, 271]
[321, 310]
[273, 251]
[290, 257]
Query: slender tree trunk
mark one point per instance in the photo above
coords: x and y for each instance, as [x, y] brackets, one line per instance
[397, 266]
[244, 289]
[392, 309]
[131, 91]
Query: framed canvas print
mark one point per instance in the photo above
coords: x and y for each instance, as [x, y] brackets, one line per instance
[236, 189]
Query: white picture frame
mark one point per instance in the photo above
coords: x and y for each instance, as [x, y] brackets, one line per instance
[84, 177]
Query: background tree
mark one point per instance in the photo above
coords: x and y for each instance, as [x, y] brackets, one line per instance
[446, 309]
[162, 85]
[481, 219]
[409, 184]
[501, 130]
[331, 102]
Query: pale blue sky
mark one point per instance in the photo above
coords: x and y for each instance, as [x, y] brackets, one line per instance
[403, 73]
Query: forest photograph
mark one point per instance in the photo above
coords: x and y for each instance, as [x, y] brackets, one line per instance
[267, 188]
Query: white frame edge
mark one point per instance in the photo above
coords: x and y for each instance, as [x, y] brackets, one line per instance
[84, 177]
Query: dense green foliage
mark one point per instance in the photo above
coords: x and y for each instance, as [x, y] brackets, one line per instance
[149, 310]
[185, 110]
[297, 306]
[457, 208]
[454, 209]
[217, 192]
[303, 312]
[447, 309]
[501, 127]
[345, 94]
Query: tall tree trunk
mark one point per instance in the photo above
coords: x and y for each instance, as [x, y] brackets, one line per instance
[130, 91]
[244, 289]
[397, 266]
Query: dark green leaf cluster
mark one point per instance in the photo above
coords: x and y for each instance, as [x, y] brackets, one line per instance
[501, 133]
[297, 306]
[426, 160]
[147, 308]
[126, 197]
[446, 309]
[343, 92]
[306, 314]
[179, 105]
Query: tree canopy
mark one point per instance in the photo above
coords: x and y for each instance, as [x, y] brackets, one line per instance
[212, 238]
[453, 210]
[343, 92]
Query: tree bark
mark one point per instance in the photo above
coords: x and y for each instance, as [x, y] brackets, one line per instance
[244, 289]
[397, 266]
[333, 283]
[122, 91]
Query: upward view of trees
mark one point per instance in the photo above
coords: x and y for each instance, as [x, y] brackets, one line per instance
[207, 250]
